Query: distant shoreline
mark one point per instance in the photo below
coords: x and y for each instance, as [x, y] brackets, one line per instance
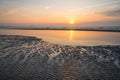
[64, 29]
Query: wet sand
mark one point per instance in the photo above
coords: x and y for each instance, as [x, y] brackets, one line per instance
[30, 58]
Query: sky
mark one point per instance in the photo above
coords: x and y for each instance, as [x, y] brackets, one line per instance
[82, 12]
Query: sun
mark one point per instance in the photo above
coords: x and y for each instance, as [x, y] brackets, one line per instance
[72, 22]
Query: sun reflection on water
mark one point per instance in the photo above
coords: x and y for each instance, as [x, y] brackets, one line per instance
[71, 35]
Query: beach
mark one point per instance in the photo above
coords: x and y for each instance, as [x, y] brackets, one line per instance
[31, 58]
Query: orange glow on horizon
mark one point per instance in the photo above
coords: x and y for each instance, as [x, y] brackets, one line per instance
[57, 20]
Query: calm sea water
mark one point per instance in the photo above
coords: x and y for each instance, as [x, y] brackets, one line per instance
[65, 37]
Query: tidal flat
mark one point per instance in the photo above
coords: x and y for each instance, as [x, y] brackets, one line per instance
[31, 58]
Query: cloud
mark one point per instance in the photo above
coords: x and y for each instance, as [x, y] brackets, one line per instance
[8, 12]
[11, 12]
[114, 22]
[111, 12]
[47, 7]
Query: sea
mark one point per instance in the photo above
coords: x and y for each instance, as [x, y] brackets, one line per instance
[69, 37]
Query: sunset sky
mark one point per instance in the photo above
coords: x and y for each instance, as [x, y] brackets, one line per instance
[89, 12]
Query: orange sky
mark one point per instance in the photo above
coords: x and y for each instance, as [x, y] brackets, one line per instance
[55, 11]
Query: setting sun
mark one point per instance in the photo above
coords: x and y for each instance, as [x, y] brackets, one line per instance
[72, 22]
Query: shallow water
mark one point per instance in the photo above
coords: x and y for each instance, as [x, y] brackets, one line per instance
[70, 37]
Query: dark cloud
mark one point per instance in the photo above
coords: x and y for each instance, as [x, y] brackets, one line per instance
[111, 13]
